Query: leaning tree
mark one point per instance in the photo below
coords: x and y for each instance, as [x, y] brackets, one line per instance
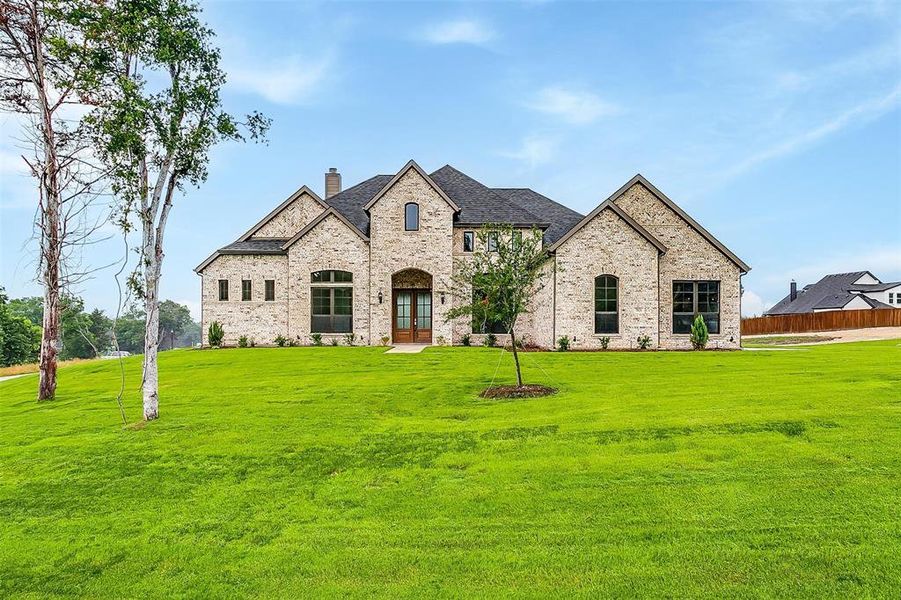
[496, 284]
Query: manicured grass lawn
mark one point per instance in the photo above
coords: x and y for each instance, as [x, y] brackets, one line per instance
[291, 472]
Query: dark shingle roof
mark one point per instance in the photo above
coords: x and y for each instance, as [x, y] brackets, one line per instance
[480, 204]
[832, 291]
[875, 287]
[255, 246]
[561, 218]
[351, 201]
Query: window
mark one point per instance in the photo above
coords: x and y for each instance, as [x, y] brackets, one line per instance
[223, 290]
[691, 298]
[245, 289]
[411, 216]
[891, 298]
[492, 241]
[331, 302]
[469, 241]
[270, 290]
[606, 304]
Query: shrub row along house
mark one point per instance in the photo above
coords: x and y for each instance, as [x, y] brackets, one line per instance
[377, 260]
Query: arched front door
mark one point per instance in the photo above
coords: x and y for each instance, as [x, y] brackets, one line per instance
[411, 315]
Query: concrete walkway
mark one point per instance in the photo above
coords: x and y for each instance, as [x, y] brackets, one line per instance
[14, 376]
[407, 349]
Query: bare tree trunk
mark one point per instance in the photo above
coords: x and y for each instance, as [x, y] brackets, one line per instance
[49, 336]
[516, 358]
[150, 384]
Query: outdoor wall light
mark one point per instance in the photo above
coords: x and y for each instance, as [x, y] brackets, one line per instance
[380, 296]
[442, 297]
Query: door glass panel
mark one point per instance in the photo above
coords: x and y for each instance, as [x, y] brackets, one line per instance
[403, 310]
[424, 310]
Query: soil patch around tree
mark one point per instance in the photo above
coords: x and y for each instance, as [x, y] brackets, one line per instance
[518, 391]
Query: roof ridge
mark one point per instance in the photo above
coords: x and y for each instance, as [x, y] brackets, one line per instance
[494, 195]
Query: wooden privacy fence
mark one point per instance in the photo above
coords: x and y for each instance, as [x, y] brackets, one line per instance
[830, 320]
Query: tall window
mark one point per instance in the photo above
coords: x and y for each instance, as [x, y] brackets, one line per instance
[411, 216]
[606, 304]
[245, 289]
[331, 302]
[469, 241]
[480, 323]
[223, 290]
[492, 241]
[691, 298]
[270, 290]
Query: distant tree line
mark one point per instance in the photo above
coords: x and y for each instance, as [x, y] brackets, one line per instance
[86, 334]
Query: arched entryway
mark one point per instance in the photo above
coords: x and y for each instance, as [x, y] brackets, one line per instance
[411, 302]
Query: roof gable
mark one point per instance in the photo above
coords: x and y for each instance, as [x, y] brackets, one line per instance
[322, 217]
[640, 179]
[411, 164]
[278, 209]
[609, 205]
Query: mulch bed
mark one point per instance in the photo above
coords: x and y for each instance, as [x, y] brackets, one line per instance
[515, 391]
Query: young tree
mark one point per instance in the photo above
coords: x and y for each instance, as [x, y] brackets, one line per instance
[497, 283]
[38, 83]
[699, 333]
[159, 114]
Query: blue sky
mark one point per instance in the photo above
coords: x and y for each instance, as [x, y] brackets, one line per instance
[776, 125]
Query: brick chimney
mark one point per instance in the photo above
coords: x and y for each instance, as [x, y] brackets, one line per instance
[792, 291]
[332, 182]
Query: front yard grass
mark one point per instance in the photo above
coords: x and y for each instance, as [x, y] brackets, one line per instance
[308, 472]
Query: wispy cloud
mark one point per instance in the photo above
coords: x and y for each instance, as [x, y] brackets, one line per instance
[534, 150]
[572, 105]
[290, 80]
[863, 112]
[459, 31]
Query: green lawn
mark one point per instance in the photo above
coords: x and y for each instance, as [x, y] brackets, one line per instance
[344, 471]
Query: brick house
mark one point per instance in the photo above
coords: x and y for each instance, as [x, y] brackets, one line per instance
[377, 260]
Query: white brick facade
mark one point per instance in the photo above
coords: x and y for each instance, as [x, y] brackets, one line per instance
[637, 236]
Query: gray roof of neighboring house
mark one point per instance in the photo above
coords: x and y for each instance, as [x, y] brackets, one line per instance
[832, 291]
[561, 218]
[875, 287]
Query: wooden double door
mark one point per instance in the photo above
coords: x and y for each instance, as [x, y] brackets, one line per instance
[411, 319]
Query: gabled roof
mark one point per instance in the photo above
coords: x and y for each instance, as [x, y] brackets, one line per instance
[351, 201]
[840, 300]
[560, 218]
[326, 213]
[609, 205]
[263, 246]
[480, 204]
[875, 287]
[411, 164]
[832, 291]
[639, 178]
[304, 189]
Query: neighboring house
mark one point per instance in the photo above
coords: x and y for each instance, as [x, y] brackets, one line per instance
[859, 290]
[377, 260]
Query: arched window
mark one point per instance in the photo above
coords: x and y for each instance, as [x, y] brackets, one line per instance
[411, 216]
[331, 302]
[606, 304]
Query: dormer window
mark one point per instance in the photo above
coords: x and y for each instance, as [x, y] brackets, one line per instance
[411, 216]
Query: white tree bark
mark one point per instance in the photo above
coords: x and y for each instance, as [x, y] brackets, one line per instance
[150, 382]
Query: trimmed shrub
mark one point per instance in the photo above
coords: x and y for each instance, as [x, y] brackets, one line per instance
[349, 339]
[466, 340]
[605, 341]
[280, 340]
[699, 333]
[563, 343]
[333, 341]
[242, 341]
[215, 333]
[316, 339]
[385, 340]
[490, 340]
[644, 342]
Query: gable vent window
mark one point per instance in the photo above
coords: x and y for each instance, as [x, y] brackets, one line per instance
[691, 298]
[411, 216]
[270, 290]
[469, 241]
[606, 304]
[246, 290]
[223, 290]
[331, 302]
